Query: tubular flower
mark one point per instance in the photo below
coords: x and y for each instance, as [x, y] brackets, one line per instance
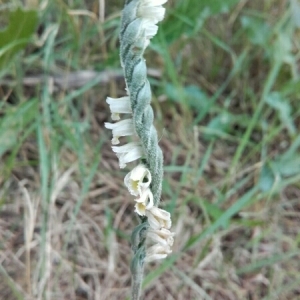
[152, 10]
[163, 236]
[144, 203]
[119, 106]
[121, 128]
[158, 218]
[128, 153]
[138, 180]
[149, 29]
[157, 251]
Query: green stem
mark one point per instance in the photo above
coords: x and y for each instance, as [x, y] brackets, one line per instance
[133, 42]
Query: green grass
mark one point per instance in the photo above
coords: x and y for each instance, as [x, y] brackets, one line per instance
[227, 113]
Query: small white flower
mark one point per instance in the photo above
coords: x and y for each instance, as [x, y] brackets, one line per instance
[162, 236]
[158, 218]
[119, 106]
[138, 180]
[157, 252]
[149, 29]
[121, 128]
[145, 202]
[128, 153]
[151, 9]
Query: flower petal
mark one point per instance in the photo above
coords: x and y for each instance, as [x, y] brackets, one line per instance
[158, 218]
[162, 236]
[153, 2]
[151, 9]
[138, 180]
[157, 252]
[145, 202]
[140, 209]
[119, 106]
[128, 153]
[121, 128]
[149, 28]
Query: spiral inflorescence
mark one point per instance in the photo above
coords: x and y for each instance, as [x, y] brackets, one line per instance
[133, 43]
[138, 26]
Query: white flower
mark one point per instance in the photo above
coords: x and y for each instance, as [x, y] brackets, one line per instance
[157, 252]
[151, 9]
[149, 28]
[158, 218]
[163, 236]
[145, 202]
[128, 153]
[138, 180]
[119, 106]
[121, 128]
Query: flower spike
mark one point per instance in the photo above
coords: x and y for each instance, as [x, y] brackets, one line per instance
[138, 25]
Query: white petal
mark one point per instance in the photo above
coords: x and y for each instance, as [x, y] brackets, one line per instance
[144, 203]
[162, 236]
[155, 14]
[157, 252]
[122, 128]
[131, 156]
[146, 198]
[138, 180]
[128, 153]
[155, 256]
[151, 9]
[119, 106]
[158, 218]
[140, 209]
[150, 29]
[153, 2]
[126, 148]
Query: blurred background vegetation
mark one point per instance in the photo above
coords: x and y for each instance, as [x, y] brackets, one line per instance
[226, 91]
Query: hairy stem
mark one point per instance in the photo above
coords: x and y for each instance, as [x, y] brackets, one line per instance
[133, 41]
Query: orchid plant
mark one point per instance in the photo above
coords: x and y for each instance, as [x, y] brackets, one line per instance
[144, 182]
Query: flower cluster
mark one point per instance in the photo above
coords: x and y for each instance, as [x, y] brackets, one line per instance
[138, 183]
[128, 152]
[139, 21]
[148, 14]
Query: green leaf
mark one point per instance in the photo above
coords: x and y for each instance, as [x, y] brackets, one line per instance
[257, 30]
[288, 167]
[219, 125]
[288, 163]
[283, 108]
[191, 96]
[266, 179]
[15, 37]
[196, 98]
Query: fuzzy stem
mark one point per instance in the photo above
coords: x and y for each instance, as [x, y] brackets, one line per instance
[133, 41]
[138, 238]
[137, 271]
